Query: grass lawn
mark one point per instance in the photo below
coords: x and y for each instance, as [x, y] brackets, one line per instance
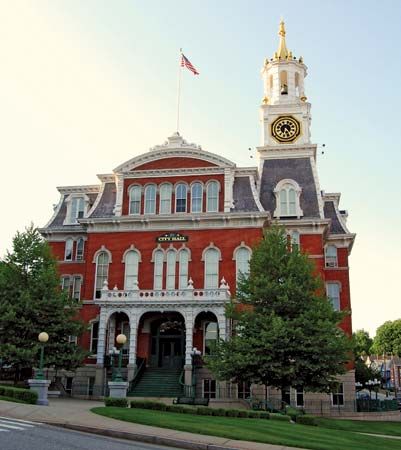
[390, 428]
[258, 430]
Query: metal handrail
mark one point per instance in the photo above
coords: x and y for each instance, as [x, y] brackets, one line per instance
[138, 373]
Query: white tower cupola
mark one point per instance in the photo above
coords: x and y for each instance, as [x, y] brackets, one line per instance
[284, 96]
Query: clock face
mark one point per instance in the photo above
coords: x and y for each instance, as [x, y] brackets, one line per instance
[286, 129]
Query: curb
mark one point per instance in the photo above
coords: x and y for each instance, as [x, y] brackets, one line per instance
[147, 438]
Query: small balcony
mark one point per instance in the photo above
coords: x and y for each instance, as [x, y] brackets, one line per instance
[166, 296]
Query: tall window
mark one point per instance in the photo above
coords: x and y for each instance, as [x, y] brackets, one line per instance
[209, 388]
[211, 269]
[183, 259]
[66, 283]
[244, 389]
[76, 287]
[299, 396]
[165, 198]
[135, 200]
[79, 252]
[150, 199]
[210, 337]
[337, 397]
[212, 197]
[77, 209]
[171, 263]
[69, 246]
[158, 270]
[131, 269]
[333, 294]
[288, 195]
[94, 337]
[331, 256]
[102, 272]
[181, 198]
[242, 258]
[196, 197]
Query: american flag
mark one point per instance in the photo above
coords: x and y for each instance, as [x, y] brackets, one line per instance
[187, 63]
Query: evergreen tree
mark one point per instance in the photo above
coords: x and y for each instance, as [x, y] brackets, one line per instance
[286, 333]
[31, 302]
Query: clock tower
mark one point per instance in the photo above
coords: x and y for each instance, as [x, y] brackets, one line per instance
[285, 112]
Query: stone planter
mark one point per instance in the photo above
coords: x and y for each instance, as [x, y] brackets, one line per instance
[41, 387]
[118, 389]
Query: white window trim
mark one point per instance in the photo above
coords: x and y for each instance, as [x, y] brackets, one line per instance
[68, 201]
[131, 249]
[336, 393]
[74, 278]
[338, 283]
[241, 246]
[69, 239]
[188, 251]
[203, 190]
[175, 197]
[95, 259]
[209, 247]
[173, 273]
[83, 249]
[170, 199]
[298, 211]
[92, 323]
[207, 195]
[330, 261]
[154, 201]
[130, 188]
[153, 260]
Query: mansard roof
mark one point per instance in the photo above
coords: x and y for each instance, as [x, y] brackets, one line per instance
[297, 169]
[331, 211]
[175, 146]
[245, 198]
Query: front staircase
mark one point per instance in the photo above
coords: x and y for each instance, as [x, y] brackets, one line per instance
[158, 382]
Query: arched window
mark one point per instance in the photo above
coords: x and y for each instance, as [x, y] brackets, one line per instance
[211, 258]
[165, 198]
[102, 272]
[183, 259]
[196, 197]
[242, 258]
[212, 198]
[170, 274]
[333, 294]
[211, 333]
[283, 83]
[158, 258]
[287, 199]
[150, 199]
[331, 256]
[131, 269]
[69, 246]
[79, 252]
[181, 198]
[135, 200]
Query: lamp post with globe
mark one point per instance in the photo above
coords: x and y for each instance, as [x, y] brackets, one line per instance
[39, 384]
[121, 339]
[43, 338]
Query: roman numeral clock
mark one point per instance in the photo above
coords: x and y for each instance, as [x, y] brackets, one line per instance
[285, 129]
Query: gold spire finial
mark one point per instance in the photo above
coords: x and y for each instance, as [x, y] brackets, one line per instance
[282, 52]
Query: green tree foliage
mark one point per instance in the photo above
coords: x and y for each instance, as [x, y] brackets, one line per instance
[287, 334]
[388, 338]
[362, 343]
[30, 302]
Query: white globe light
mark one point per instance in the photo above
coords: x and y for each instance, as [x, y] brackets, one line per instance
[43, 337]
[121, 339]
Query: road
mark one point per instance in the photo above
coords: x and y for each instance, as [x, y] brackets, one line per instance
[17, 434]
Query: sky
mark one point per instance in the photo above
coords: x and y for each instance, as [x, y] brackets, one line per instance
[87, 85]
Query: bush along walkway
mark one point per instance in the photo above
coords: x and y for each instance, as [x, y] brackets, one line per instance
[246, 425]
[18, 395]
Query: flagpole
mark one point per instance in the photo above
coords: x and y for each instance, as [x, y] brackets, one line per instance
[179, 91]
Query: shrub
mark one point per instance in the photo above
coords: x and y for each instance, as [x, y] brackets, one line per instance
[264, 415]
[219, 412]
[307, 420]
[281, 417]
[119, 402]
[204, 411]
[254, 414]
[293, 412]
[175, 408]
[25, 395]
[232, 413]
[242, 413]
[189, 410]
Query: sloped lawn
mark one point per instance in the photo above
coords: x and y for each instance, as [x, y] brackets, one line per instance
[258, 430]
[389, 428]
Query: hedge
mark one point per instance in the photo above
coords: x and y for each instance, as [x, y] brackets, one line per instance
[113, 401]
[200, 410]
[25, 395]
[307, 420]
[282, 417]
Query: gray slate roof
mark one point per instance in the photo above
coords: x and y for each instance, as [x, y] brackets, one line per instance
[59, 219]
[244, 200]
[105, 207]
[330, 213]
[297, 169]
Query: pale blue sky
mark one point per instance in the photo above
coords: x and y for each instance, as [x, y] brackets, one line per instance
[89, 84]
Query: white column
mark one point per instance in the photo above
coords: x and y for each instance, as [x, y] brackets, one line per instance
[222, 321]
[112, 332]
[133, 322]
[101, 341]
[189, 331]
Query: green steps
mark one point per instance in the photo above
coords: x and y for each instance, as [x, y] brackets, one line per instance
[158, 382]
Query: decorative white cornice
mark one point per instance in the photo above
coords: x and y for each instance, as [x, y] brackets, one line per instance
[162, 173]
[255, 193]
[175, 146]
[287, 151]
[88, 189]
[107, 177]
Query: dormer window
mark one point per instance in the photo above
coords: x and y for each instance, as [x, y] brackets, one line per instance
[77, 207]
[288, 195]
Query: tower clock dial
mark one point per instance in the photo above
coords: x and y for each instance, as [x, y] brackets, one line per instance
[286, 129]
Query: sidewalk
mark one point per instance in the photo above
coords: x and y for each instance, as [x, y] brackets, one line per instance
[75, 414]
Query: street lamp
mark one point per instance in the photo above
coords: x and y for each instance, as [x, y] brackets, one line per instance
[121, 339]
[194, 352]
[43, 338]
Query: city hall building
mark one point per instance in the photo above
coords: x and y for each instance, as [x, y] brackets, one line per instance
[155, 249]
